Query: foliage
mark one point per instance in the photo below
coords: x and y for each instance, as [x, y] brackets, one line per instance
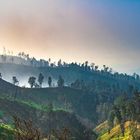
[60, 82]
[126, 110]
[116, 134]
[32, 81]
[15, 81]
[6, 132]
[24, 130]
[49, 81]
[40, 79]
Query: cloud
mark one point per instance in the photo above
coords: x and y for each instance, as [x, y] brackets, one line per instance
[75, 30]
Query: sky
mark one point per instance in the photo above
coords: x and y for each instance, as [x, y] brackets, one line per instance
[100, 31]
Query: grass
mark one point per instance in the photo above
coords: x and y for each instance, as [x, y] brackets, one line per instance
[102, 128]
[40, 107]
[6, 132]
[33, 105]
[115, 133]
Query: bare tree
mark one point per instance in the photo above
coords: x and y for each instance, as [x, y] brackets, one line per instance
[24, 130]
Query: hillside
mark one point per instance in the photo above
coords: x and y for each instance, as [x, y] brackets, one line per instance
[70, 73]
[91, 107]
[6, 132]
[83, 103]
[115, 132]
[42, 119]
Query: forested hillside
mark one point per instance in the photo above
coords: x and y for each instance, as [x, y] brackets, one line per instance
[76, 96]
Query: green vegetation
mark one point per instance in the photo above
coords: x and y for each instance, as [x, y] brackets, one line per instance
[116, 134]
[84, 91]
[6, 132]
[53, 120]
[46, 108]
[123, 121]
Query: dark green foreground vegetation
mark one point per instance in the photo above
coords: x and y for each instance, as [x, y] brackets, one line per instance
[47, 120]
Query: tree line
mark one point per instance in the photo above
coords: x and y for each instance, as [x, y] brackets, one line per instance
[86, 66]
[32, 81]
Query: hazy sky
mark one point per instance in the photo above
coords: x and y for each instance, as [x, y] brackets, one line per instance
[100, 31]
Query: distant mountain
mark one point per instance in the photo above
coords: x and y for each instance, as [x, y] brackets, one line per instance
[70, 74]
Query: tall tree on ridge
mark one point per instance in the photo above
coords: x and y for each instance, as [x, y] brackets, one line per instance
[15, 81]
[60, 81]
[40, 79]
[49, 81]
[32, 81]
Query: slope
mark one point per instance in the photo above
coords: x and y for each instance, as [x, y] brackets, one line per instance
[115, 133]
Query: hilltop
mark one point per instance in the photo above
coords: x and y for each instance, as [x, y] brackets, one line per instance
[22, 66]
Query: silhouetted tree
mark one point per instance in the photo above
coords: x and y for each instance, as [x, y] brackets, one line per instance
[15, 81]
[24, 130]
[32, 81]
[111, 120]
[59, 63]
[60, 82]
[40, 79]
[36, 85]
[96, 68]
[49, 81]
[86, 65]
[0, 76]
[92, 66]
[33, 61]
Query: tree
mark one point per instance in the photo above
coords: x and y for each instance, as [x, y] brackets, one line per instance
[24, 130]
[15, 81]
[59, 63]
[3, 58]
[32, 81]
[60, 82]
[111, 120]
[0, 76]
[86, 65]
[96, 68]
[76, 84]
[40, 79]
[105, 68]
[116, 113]
[33, 61]
[49, 81]
[92, 66]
